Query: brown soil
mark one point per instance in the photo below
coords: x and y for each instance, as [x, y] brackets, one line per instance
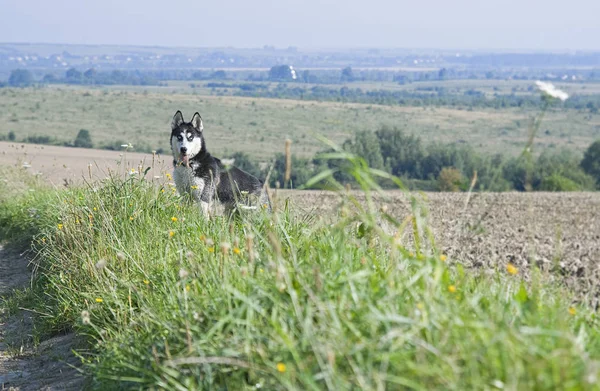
[51, 365]
[557, 232]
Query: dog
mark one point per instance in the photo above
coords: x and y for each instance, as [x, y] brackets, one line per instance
[205, 178]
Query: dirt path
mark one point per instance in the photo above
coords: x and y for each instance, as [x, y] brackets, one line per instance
[47, 366]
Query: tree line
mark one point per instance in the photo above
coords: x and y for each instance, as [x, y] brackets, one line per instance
[443, 167]
[436, 96]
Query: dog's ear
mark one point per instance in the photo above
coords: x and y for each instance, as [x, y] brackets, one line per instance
[197, 122]
[177, 120]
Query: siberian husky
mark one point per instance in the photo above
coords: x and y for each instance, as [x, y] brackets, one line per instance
[204, 177]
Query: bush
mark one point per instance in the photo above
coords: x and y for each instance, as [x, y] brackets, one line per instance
[83, 139]
[591, 161]
[557, 182]
[450, 179]
[20, 78]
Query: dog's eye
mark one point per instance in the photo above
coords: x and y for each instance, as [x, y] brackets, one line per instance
[190, 136]
[180, 138]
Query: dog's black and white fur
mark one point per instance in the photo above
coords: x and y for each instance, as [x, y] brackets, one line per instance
[204, 177]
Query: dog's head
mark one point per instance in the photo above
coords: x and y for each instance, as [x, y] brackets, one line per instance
[187, 140]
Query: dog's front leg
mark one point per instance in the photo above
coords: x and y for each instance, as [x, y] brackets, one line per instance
[206, 200]
[205, 206]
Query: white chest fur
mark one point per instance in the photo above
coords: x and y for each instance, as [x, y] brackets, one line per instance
[187, 183]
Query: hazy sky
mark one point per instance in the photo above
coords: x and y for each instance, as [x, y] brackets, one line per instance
[473, 24]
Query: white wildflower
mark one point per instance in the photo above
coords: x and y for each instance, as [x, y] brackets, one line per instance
[101, 264]
[183, 273]
[85, 317]
[550, 89]
[26, 165]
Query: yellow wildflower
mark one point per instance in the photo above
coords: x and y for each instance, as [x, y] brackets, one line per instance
[281, 367]
[99, 300]
[572, 310]
[169, 177]
[451, 288]
[443, 258]
[95, 209]
[174, 219]
[171, 234]
[211, 249]
[194, 187]
[146, 282]
[511, 269]
[187, 288]
[236, 251]
[60, 226]
[130, 217]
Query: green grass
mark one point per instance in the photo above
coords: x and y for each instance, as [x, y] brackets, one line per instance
[141, 116]
[285, 301]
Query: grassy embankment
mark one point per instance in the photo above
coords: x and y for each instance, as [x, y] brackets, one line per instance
[168, 300]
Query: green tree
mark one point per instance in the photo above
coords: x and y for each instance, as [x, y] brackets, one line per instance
[281, 72]
[443, 74]
[20, 78]
[366, 145]
[219, 75]
[591, 161]
[11, 136]
[401, 153]
[243, 162]
[90, 74]
[83, 139]
[49, 78]
[347, 74]
[73, 76]
[563, 164]
[302, 171]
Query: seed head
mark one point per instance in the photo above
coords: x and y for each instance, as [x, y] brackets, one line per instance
[183, 273]
[85, 317]
[101, 264]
